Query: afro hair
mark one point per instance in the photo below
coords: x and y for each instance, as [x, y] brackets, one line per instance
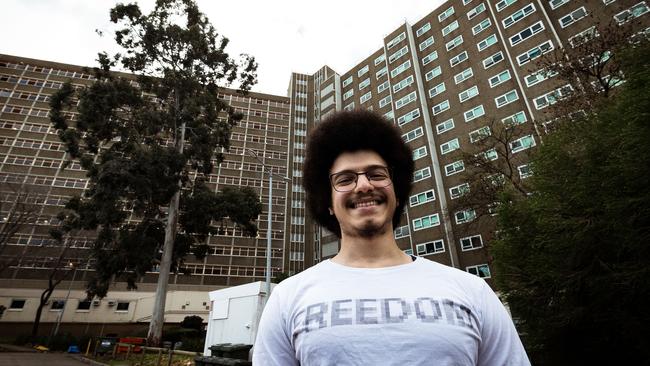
[351, 131]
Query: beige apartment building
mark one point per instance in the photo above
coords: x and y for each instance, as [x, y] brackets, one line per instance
[442, 80]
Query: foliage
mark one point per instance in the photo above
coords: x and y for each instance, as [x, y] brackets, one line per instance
[572, 259]
[18, 208]
[145, 136]
[192, 322]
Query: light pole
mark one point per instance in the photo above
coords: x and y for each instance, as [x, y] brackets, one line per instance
[65, 302]
[270, 209]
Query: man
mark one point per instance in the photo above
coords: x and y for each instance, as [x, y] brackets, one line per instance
[372, 304]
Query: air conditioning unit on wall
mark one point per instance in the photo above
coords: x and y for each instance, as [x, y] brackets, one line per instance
[96, 302]
[112, 302]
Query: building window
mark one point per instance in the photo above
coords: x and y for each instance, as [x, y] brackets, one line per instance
[385, 101]
[471, 242]
[420, 198]
[518, 15]
[383, 71]
[437, 90]
[347, 81]
[525, 171]
[445, 126]
[454, 168]
[526, 33]
[493, 60]
[426, 222]
[573, 17]
[401, 68]
[413, 134]
[348, 94]
[402, 232]
[552, 97]
[481, 270]
[480, 27]
[515, 119]
[405, 100]
[423, 29]
[473, 113]
[449, 146]
[584, 36]
[476, 11]
[431, 247]
[83, 305]
[487, 42]
[17, 304]
[440, 107]
[463, 75]
[57, 305]
[122, 306]
[488, 155]
[364, 84]
[426, 43]
[403, 84]
[446, 14]
[408, 117]
[499, 78]
[383, 86]
[389, 115]
[504, 4]
[420, 152]
[631, 13]
[557, 3]
[381, 58]
[506, 98]
[464, 216]
[454, 43]
[480, 134]
[458, 191]
[430, 57]
[535, 52]
[522, 143]
[362, 71]
[401, 52]
[450, 28]
[468, 94]
[366, 97]
[458, 58]
[538, 76]
[433, 73]
[421, 174]
[349, 107]
[396, 40]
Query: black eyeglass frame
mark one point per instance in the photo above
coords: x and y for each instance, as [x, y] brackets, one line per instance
[356, 179]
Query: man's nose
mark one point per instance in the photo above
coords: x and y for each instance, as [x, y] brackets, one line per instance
[363, 184]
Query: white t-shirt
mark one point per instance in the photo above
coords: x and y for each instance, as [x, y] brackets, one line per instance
[420, 313]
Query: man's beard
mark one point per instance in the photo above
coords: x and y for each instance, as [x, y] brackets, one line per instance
[371, 230]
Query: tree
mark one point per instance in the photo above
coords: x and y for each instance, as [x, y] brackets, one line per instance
[17, 211]
[572, 259]
[149, 141]
[192, 322]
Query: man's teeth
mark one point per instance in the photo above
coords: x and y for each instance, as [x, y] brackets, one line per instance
[366, 204]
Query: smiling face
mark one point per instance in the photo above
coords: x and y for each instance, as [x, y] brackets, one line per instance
[365, 211]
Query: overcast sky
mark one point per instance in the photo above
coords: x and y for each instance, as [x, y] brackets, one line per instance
[283, 35]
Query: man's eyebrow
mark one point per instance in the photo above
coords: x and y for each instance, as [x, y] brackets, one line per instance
[369, 167]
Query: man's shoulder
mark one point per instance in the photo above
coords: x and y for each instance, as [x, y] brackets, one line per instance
[439, 270]
[307, 274]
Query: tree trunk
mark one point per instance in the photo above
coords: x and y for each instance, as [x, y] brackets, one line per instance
[158, 314]
[45, 295]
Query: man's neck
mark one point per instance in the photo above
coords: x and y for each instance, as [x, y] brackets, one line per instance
[374, 252]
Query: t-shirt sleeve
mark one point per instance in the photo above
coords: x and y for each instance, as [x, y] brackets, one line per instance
[500, 343]
[273, 343]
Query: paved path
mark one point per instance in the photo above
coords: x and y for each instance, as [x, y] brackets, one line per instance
[38, 359]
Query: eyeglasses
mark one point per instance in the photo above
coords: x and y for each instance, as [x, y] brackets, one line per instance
[346, 181]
